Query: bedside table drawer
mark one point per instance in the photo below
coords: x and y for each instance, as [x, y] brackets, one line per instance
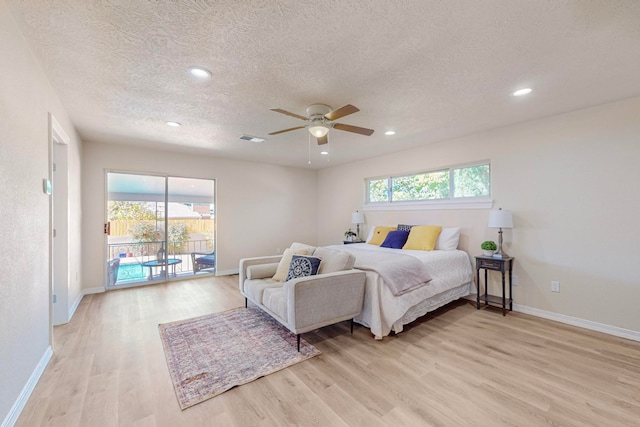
[489, 263]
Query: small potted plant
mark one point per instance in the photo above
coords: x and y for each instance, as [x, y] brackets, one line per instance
[489, 247]
[349, 235]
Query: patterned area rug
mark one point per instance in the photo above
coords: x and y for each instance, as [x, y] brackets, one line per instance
[211, 354]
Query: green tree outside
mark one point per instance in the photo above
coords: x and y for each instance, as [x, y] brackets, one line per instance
[468, 181]
[145, 232]
[472, 181]
[379, 190]
[424, 186]
[139, 211]
[178, 236]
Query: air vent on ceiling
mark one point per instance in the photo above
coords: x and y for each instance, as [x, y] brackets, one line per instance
[252, 138]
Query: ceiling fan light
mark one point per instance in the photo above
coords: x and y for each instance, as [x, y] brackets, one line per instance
[318, 130]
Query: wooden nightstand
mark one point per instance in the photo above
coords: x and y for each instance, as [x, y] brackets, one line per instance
[497, 264]
[346, 242]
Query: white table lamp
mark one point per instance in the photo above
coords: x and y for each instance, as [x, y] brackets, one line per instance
[357, 218]
[500, 219]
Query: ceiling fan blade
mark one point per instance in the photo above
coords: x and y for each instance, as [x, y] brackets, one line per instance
[323, 140]
[341, 112]
[288, 113]
[287, 130]
[354, 129]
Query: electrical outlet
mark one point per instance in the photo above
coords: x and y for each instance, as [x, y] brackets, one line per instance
[555, 286]
[514, 280]
[278, 252]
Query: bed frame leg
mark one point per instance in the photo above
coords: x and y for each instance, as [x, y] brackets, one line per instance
[298, 335]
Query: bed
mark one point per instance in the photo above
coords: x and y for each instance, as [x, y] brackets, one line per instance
[451, 276]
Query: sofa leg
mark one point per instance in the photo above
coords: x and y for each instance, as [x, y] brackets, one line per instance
[298, 335]
[351, 326]
[245, 303]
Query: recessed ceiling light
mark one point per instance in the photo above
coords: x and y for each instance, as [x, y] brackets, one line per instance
[174, 124]
[390, 132]
[324, 153]
[200, 72]
[521, 92]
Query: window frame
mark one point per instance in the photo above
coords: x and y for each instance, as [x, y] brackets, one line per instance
[472, 202]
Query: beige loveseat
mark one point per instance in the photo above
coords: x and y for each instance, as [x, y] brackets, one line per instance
[335, 294]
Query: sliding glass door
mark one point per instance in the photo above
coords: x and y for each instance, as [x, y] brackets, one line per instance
[158, 228]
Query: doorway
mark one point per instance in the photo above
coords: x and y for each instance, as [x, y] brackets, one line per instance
[158, 228]
[59, 308]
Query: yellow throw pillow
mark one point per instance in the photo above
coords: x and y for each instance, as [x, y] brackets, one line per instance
[285, 261]
[379, 234]
[423, 237]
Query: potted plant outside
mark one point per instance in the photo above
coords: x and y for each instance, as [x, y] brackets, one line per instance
[349, 235]
[488, 247]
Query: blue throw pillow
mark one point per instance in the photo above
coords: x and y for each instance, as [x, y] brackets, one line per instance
[395, 239]
[303, 266]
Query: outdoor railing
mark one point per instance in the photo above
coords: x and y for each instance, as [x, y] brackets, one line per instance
[132, 256]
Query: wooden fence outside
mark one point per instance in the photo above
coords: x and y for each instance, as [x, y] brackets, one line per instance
[122, 227]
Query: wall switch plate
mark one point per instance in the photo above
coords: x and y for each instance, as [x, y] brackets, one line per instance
[555, 286]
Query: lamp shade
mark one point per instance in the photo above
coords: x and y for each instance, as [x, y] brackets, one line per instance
[500, 219]
[357, 218]
[318, 130]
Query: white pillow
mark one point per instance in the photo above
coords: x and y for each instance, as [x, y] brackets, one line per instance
[297, 245]
[370, 235]
[448, 239]
[333, 260]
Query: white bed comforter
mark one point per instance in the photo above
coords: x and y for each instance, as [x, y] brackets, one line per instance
[382, 311]
[401, 272]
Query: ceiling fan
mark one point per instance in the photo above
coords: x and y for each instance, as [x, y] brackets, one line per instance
[321, 118]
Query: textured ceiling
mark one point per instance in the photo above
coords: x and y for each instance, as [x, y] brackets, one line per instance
[429, 69]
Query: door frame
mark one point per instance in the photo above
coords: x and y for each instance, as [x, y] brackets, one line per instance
[60, 138]
[106, 219]
[167, 196]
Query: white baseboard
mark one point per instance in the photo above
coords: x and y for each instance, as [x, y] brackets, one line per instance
[89, 291]
[74, 307]
[18, 406]
[227, 272]
[574, 321]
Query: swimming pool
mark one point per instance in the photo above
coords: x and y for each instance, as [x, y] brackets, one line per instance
[130, 272]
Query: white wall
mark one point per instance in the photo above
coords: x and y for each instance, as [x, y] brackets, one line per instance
[571, 182]
[26, 98]
[259, 207]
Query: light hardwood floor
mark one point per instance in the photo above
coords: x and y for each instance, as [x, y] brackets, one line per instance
[455, 367]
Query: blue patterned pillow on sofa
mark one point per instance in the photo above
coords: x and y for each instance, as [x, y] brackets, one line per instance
[303, 266]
